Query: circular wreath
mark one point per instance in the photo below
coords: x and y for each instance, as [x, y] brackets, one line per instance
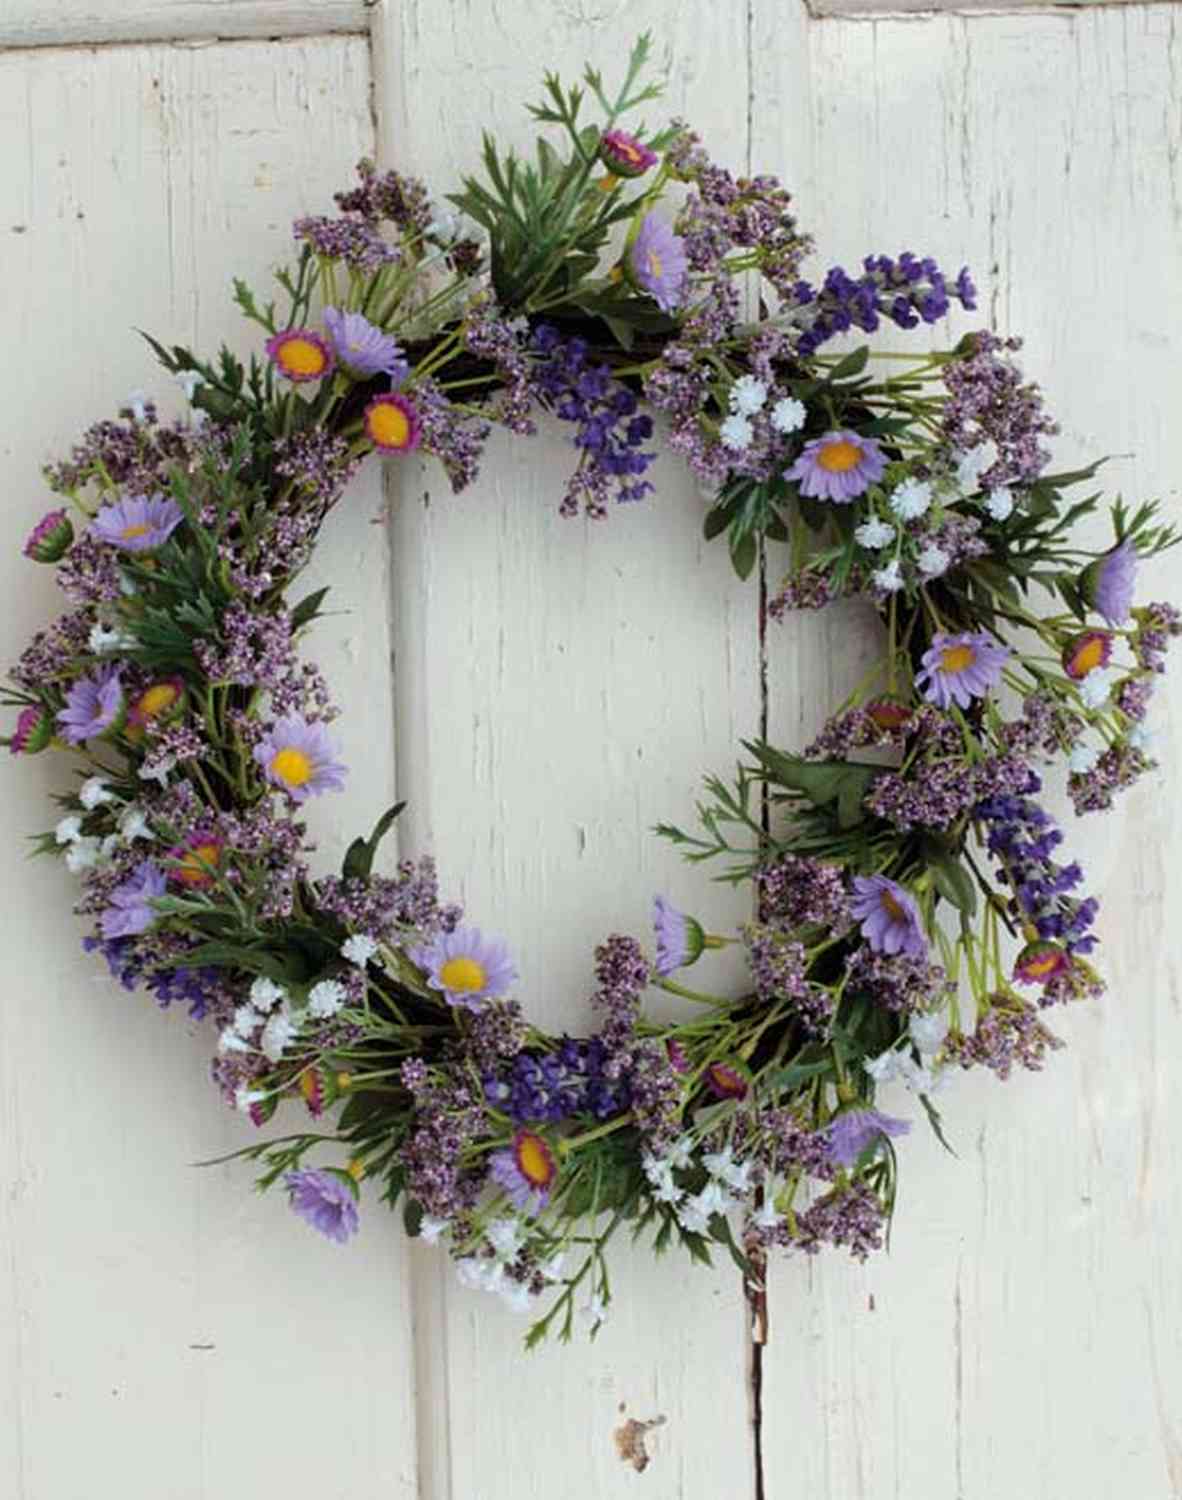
[911, 911]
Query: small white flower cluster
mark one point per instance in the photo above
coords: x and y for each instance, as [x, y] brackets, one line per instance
[927, 1032]
[103, 640]
[359, 949]
[1095, 688]
[731, 1183]
[83, 851]
[506, 1238]
[268, 1009]
[747, 397]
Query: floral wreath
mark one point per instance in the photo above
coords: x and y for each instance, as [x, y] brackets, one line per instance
[912, 914]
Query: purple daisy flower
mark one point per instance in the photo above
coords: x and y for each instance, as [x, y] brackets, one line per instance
[959, 668]
[131, 911]
[680, 939]
[467, 967]
[326, 1200]
[890, 919]
[658, 262]
[93, 704]
[138, 523]
[362, 348]
[1108, 582]
[852, 1132]
[300, 758]
[837, 466]
[526, 1169]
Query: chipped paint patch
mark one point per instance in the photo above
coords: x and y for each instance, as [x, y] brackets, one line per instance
[630, 1436]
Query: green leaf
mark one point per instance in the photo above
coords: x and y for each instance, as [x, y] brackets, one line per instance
[226, 955]
[359, 857]
[744, 551]
[853, 364]
[935, 1122]
[307, 609]
[720, 1230]
[950, 877]
[718, 518]
[412, 1218]
[697, 1247]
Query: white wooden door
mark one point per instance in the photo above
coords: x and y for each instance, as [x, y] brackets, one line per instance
[559, 686]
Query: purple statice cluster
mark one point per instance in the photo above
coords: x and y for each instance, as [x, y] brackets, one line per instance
[796, 892]
[989, 402]
[936, 790]
[1048, 726]
[622, 975]
[403, 909]
[447, 1119]
[1113, 772]
[899, 982]
[778, 965]
[53, 652]
[786, 1145]
[349, 239]
[492, 1032]
[610, 431]
[849, 1216]
[387, 196]
[319, 465]
[809, 589]
[256, 649]
[136, 455]
[885, 723]
[89, 574]
[1156, 625]
[1021, 836]
[654, 1096]
[1010, 1032]
[491, 337]
[536, 1087]
[723, 214]
[454, 437]
[906, 290]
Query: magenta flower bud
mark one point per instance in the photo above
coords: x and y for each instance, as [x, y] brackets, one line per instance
[50, 539]
[34, 730]
[623, 155]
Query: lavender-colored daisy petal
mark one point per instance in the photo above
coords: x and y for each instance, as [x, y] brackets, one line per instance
[362, 348]
[526, 1169]
[138, 523]
[838, 466]
[1108, 582]
[301, 758]
[890, 919]
[94, 704]
[680, 939]
[658, 262]
[131, 911]
[959, 668]
[466, 966]
[326, 1201]
[851, 1133]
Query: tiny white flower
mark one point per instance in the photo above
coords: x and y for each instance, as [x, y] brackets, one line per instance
[932, 561]
[506, 1237]
[517, 1296]
[133, 824]
[245, 1097]
[973, 464]
[910, 499]
[326, 998]
[83, 854]
[594, 1311]
[137, 400]
[246, 1020]
[681, 1153]
[882, 1068]
[431, 1228]
[1142, 738]
[874, 534]
[101, 640]
[928, 1031]
[917, 1077]
[188, 380]
[472, 1272]
[719, 1163]
[230, 1041]
[736, 433]
[94, 792]
[553, 1268]
[713, 1199]
[788, 415]
[692, 1218]
[888, 579]
[109, 845]
[69, 830]
[667, 1191]
[1082, 759]
[278, 1033]
[1096, 686]
[747, 395]
[359, 949]
[767, 1216]
[1000, 502]
[158, 772]
[265, 993]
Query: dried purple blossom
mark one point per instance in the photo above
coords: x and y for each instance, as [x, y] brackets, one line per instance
[326, 1200]
[854, 1131]
[889, 917]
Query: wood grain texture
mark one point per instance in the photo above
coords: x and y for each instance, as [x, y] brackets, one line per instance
[862, 10]
[1022, 1337]
[72, 23]
[166, 1332]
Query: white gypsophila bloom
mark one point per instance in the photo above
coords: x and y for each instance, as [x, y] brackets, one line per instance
[1082, 759]
[1096, 686]
[910, 499]
[917, 1077]
[766, 1215]
[470, 1272]
[516, 1295]
[109, 845]
[69, 830]
[874, 534]
[138, 402]
[888, 579]
[133, 824]
[278, 1034]
[246, 1020]
[1142, 738]
[928, 1030]
[736, 433]
[1000, 502]
[667, 1191]
[101, 640]
[326, 998]
[692, 1217]
[189, 380]
[83, 854]
[94, 792]
[713, 1199]
[359, 949]
[264, 993]
[506, 1236]
[681, 1153]
[932, 561]
[747, 395]
[432, 1228]
[971, 465]
[244, 1098]
[158, 772]
[882, 1068]
[788, 415]
[719, 1163]
[230, 1041]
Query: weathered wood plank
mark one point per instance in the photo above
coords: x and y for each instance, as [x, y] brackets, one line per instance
[74, 23]
[172, 1323]
[865, 10]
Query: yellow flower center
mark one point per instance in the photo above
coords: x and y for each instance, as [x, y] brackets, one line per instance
[892, 907]
[957, 658]
[298, 356]
[129, 533]
[655, 267]
[1089, 656]
[156, 700]
[310, 1086]
[534, 1161]
[198, 863]
[356, 1169]
[389, 426]
[1035, 968]
[839, 457]
[463, 975]
[292, 766]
